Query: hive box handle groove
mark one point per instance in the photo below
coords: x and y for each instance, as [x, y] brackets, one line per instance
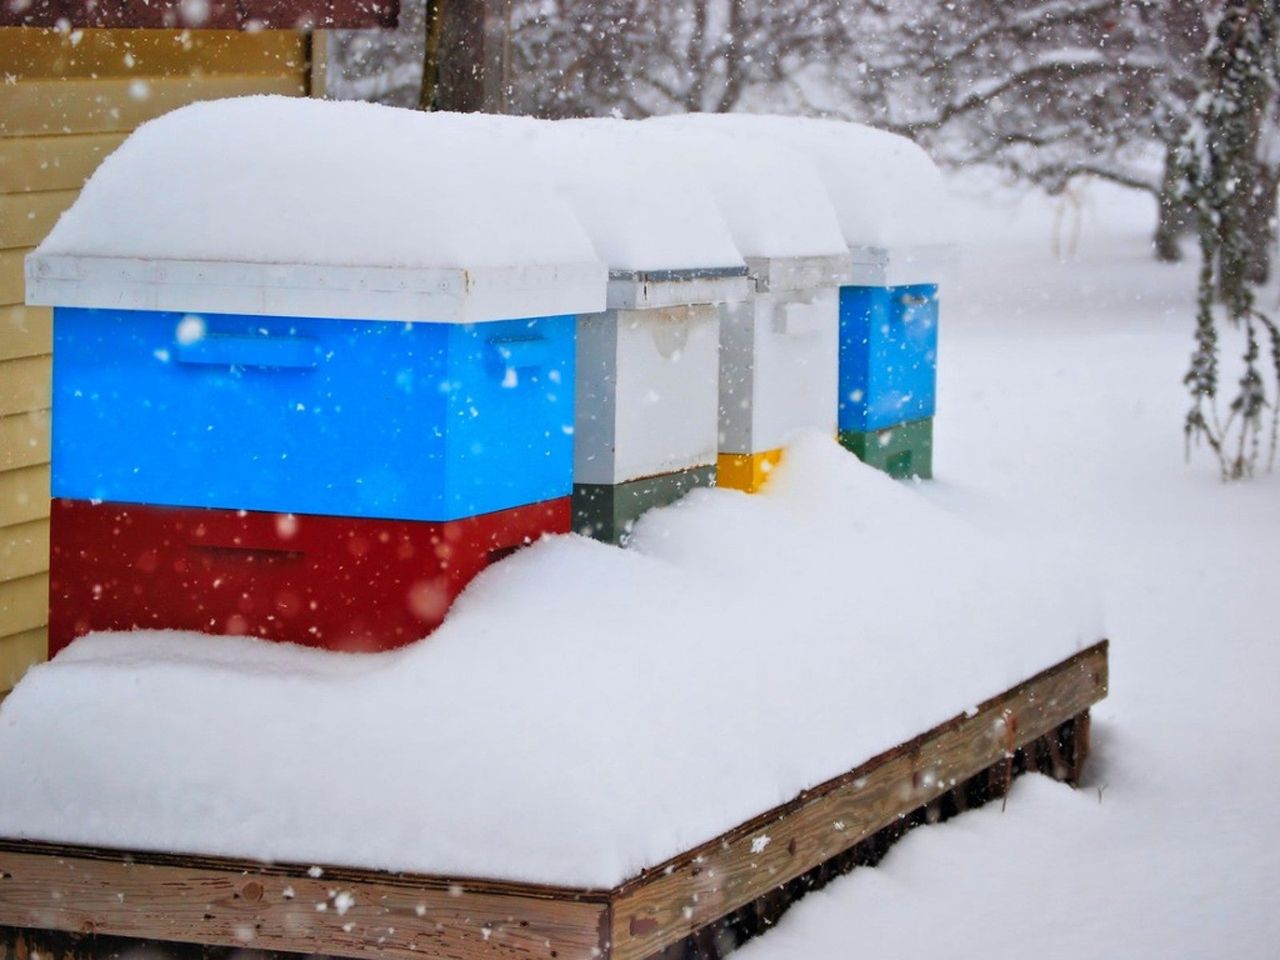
[520, 352]
[224, 350]
[247, 551]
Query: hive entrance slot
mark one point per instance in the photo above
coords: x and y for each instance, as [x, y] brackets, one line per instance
[248, 553]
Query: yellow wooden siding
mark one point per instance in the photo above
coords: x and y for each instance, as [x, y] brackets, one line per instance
[66, 102]
[25, 218]
[24, 603]
[24, 549]
[54, 162]
[39, 107]
[24, 384]
[29, 54]
[25, 331]
[24, 496]
[18, 652]
[11, 281]
[24, 440]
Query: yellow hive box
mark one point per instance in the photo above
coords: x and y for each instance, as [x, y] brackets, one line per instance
[747, 472]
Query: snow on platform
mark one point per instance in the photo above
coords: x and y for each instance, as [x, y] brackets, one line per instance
[584, 712]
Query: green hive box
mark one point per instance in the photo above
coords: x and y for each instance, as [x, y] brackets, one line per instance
[608, 511]
[902, 451]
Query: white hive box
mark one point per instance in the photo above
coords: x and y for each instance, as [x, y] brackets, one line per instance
[779, 350]
[647, 368]
[647, 399]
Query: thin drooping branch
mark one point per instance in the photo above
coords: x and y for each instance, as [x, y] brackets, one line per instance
[1225, 174]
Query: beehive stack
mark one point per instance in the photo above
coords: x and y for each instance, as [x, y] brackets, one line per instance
[889, 200]
[889, 366]
[779, 349]
[265, 428]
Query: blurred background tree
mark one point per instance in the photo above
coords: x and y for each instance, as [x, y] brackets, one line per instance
[1228, 161]
[1043, 90]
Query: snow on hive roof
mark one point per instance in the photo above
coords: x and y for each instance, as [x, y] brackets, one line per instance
[288, 180]
[297, 207]
[885, 189]
[583, 713]
[771, 197]
[645, 207]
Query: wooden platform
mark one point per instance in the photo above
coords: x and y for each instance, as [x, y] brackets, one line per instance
[64, 901]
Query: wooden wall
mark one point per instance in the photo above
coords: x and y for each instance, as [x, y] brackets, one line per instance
[67, 99]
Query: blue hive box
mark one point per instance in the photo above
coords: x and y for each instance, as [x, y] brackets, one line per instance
[316, 339]
[888, 355]
[364, 418]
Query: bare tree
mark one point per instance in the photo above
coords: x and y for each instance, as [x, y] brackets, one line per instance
[643, 57]
[1046, 90]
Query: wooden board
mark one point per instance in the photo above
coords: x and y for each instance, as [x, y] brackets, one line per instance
[24, 603]
[676, 898]
[12, 283]
[341, 913]
[248, 15]
[25, 218]
[208, 900]
[43, 107]
[25, 384]
[36, 54]
[18, 652]
[25, 331]
[24, 439]
[24, 549]
[53, 162]
[24, 495]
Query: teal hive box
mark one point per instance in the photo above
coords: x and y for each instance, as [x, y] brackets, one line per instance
[903, 451]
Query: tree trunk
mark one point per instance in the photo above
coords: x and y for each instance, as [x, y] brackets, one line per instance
[463, 69]
[1173, 216]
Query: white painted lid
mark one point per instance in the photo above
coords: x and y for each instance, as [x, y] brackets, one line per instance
[290, 185]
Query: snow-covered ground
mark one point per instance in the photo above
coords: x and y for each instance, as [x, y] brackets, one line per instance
[1060, 411]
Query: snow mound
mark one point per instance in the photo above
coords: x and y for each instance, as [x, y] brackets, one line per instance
[885, 189]
[226, 180]
[771, 197]
[286, 180]
[583, 713]
[645, 206]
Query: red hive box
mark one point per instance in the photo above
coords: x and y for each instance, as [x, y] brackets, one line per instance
[336, 582]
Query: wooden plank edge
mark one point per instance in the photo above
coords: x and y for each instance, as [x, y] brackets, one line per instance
[675, 899]
[300, 910]
[908, 747]
[735, 929]
[238, 866]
